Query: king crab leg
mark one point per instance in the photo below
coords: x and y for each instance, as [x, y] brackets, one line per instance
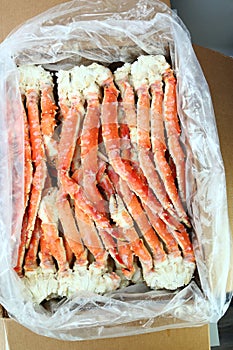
[46, 259]
[70, 229]
[48, 122]
[48, 214]
[30, 263]
[113, 206]
[28, 169]
[84, 80]
[173, 129]
[22, 246]
[30, 85]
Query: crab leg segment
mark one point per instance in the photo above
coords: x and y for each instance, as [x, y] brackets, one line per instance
[22, 246]
[30, 79]
[70, 230]
[48, 122]
[46, 259]
[49, 223]
[84, 80]
[173, 129]
[28, 169]
[38, 158]
[31, 256]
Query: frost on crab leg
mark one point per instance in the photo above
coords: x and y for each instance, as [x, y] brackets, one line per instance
[173, 129]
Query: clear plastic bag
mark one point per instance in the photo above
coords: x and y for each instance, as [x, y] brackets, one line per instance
[106, 31]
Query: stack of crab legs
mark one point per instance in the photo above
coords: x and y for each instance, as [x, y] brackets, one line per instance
[104, 181]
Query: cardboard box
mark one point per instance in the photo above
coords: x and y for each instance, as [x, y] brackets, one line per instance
[218, 70]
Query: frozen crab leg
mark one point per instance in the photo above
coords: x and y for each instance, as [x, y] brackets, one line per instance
[70, 229]
[90, 236]
[173, 129]
[40, 279]
[22, 246]
[31, 262]
[45, 256]
[30, 78]
[48, 122]
[28, 171]
[94, 276]
[48, 213]
[84, 81]
[28, 168]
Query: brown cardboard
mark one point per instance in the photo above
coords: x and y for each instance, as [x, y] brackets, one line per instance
[218, 70]
[219, 73]
[15, 12]
[176, 339]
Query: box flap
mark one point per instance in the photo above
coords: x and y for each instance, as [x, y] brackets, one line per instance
[20, 338]
[17, 12]
[218, 70]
